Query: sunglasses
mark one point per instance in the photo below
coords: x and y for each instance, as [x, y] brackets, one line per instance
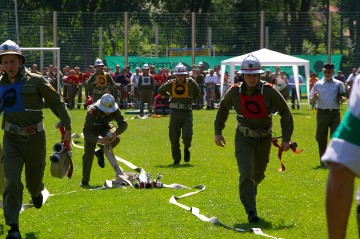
[327, 72]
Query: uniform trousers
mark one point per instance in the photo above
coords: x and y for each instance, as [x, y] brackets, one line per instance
[146, 97]
[181, 123]
[88, 157]
[252, 156]
[325, 119]
[17, 152]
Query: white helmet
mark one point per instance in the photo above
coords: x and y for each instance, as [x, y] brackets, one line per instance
[145, 67]
[180, 69]
[107, 103]
[10, 47]
[251, 65]
[98, 62]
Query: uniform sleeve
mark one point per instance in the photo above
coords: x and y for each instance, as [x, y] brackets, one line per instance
[286, 121]
[165, 89]
[121, 122]
[196, 90]
[111, 82]
[91, 81]
[140, 82]
[88, 128]
[342, 89]
[312, 92]
[222, 113]
[152, 82]
[55, 102]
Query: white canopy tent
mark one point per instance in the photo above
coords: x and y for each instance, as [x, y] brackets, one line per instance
[269, 58]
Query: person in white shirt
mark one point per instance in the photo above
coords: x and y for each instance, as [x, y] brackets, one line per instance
[349, 81]
[210, 83]
[134, 93]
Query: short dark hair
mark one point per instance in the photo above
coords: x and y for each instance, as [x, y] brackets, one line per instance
[329, 66]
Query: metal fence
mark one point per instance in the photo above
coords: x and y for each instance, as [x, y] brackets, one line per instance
[82, 37]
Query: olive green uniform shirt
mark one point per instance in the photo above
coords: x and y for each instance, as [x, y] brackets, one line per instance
[96, 123]
[272, 99]
[34, 89]
[170, 89]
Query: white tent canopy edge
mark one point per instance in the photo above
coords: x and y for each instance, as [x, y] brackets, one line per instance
[270, 58]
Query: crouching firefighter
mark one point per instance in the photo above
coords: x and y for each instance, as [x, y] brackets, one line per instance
[98, 129]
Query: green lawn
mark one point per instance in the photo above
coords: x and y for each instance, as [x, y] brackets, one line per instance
[291, 204]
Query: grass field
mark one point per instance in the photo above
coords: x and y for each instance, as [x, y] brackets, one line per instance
[291, 204]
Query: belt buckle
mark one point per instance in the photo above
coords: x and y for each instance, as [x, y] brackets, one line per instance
[14, 129]
[330, 110]
[246, 132]
[30, 129]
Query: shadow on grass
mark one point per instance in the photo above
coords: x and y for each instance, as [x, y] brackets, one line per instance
[319, 167]
[30, 235]
[299, 113]
[187, 165]
[90, 187]
[263, 224]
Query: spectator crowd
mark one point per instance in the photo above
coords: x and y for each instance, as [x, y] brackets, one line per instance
[77, 92]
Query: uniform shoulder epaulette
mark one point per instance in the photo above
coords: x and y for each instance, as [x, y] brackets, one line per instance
[33, 74]
[93, 109]
[265, 83]
[235, 85]
[190, 79]
[36, 72]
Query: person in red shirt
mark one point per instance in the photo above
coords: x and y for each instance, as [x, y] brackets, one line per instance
[313, 79]
[158, 80]
[79, 74]
[72, 83]
[84, 79]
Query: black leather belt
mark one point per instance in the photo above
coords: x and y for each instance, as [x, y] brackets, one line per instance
[330, 110]
[252, 132]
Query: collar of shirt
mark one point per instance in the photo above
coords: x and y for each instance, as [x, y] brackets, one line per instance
[329, 81]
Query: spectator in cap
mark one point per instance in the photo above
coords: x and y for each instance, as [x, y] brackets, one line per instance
[328, 93]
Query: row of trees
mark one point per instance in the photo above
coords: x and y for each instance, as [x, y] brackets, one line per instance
[296, 26]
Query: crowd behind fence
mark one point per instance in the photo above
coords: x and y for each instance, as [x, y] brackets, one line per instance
[83, 37]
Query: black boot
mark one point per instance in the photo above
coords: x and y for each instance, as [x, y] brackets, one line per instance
[100, 156]
[253, 217]
[37, 201]
[186, 155]
[14, 232]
